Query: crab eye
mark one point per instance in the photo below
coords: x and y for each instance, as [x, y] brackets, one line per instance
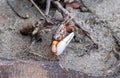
[57, 37]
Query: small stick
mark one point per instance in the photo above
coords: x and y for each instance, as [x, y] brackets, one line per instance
[63, 10]
[23, 17]
[31, 45]
[108, 56]
[36, 54]
[90, 48]
[48, 3]
[46, 18]
[113, 68]
[66, 69]
[88, 10]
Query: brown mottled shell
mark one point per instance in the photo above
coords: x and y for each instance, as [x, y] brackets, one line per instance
[60, 34]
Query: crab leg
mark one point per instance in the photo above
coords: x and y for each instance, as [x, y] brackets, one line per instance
[70, 28]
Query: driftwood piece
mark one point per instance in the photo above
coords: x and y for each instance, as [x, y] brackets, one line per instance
[36, 69]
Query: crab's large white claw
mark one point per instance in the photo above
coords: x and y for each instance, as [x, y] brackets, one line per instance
[63, 43]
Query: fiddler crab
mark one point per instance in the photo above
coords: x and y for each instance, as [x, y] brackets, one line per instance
[59, 41]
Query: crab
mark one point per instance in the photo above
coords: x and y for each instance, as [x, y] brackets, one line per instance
[59, 41]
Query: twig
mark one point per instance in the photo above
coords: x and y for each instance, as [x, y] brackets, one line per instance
[48, 3]
[63, 10]
[36, 54]
[23, 17]
[108, 56]
[115, 53]
[113, 68]
[83, 5]
[31, 45]
[91, 47]
[46, 18]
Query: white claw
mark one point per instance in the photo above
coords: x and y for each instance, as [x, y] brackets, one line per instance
[63, 43]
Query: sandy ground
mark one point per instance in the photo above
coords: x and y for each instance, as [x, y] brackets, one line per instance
[13, 44]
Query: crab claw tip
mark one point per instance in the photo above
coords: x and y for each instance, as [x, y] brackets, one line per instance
[63, 43]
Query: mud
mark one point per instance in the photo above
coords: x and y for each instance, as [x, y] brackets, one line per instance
[99, 24]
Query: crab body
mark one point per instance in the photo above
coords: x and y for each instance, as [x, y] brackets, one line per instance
[60, 42]
[59, 46]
